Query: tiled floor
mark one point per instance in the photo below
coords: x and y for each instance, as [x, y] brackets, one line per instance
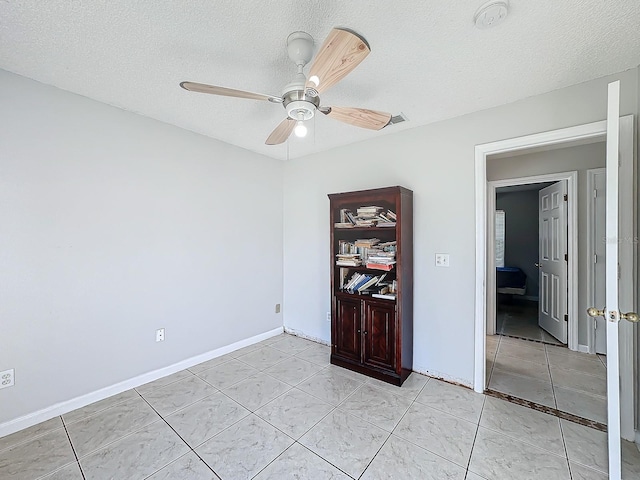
[278, 410]
[519, 318]
[553, 376]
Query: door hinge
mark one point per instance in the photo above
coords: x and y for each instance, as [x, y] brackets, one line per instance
[566, 257]
[566, 317]
[566, 197]
[595, 193]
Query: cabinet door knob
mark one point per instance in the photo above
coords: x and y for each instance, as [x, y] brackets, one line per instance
[358, 331]
[365, 332]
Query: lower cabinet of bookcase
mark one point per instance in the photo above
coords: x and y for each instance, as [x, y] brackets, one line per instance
[365, 338]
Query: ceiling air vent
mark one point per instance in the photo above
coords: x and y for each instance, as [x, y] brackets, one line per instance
[398, 119]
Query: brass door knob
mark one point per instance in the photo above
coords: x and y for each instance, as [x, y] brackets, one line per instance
[538, 265]
[594, 312]
[630, 317]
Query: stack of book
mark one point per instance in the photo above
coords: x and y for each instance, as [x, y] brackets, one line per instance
[383, 257]
[348, 260]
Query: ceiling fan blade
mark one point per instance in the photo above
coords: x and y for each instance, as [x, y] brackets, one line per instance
[341, 52]
[359, 117]
[281, 132]
[227, 92]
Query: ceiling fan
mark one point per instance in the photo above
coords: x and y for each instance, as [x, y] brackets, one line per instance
[341, 52]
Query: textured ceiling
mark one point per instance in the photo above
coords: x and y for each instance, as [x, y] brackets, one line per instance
[427, 58]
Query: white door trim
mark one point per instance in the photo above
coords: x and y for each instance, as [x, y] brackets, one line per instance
[591, 247]
[595, 131]
[572, 246]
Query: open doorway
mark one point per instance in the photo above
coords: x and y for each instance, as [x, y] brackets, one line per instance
[537, 300]
[525, 303]
[555, 364]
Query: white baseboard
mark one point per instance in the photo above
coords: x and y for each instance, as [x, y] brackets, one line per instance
[583, 348]
[300, 334]
[67, 406]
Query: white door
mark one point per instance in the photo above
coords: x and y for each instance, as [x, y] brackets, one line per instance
[611, 313]
[552, 263]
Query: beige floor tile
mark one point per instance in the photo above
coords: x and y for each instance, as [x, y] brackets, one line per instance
[35, 458]
[187, 467]
[595, 385]
[295, 412]
[401, 460]
[527, 388]
[452, 399]
[255, 392]
[206, 418]
[443, 434]
[242, 450]
[329, 386]
[298, 463]
[524, 424]
[592, 407]
[30, 433]
[345, 441]
[170, 398]
[498, 457]
[94, 432]
[135, 456]
[379, 407]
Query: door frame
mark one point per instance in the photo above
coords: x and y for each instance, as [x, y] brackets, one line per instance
[595, 131]
[591, 269]
[572, 247]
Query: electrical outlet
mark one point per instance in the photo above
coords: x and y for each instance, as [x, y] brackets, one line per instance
[328, 316]
[7, 378]
[160, 335]
[277, 308]
[442, 259]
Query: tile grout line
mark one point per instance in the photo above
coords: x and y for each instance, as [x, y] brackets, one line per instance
[553, 390]
[566, 452]
[475, 437]
[73, 449]
[396, 426]
[180, 437]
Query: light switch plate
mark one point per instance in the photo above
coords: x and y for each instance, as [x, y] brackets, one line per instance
[442, 259]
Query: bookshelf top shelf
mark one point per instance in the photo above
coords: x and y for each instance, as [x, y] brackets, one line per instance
[364, 229]
[342, 293]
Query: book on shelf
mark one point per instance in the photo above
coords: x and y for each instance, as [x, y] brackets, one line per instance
[381, 266]
[387, 296]
[366, 242]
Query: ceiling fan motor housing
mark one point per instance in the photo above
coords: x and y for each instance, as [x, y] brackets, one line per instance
[300, 106]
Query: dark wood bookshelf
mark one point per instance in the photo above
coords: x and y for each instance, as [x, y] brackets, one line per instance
[369, 335]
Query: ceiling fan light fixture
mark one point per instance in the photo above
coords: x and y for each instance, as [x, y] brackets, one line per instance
[300, 130]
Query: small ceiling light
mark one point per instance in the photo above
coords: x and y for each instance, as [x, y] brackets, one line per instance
[315, 80]
[300, 130]
[491, 14]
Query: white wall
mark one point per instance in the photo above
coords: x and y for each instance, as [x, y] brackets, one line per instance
[113, 225]
[580, 158]
[437, 162]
